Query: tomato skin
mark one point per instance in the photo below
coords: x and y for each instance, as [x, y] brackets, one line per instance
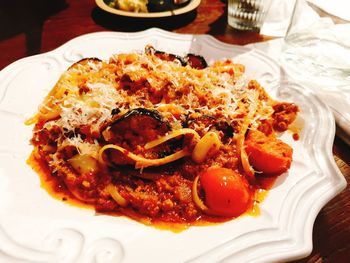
[226, 191]
[268, 154]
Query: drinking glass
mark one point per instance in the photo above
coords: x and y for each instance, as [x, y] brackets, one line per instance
[317, 53]
[317, 56]
[247, 14]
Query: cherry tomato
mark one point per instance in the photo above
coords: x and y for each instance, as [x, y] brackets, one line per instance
[226, 191]
[268, 154]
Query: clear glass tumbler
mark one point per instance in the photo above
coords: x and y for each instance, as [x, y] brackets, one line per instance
[317, 52]
[247, 14]
[316, 55]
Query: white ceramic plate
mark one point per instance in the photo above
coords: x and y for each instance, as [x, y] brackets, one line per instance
[193, 4]
[34, 227]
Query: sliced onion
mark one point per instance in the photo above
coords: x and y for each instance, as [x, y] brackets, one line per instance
[113, 191]
[209, 144]
[248, 169]
[199, 203]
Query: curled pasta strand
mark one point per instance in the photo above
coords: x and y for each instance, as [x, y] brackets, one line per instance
[248, 169]
[32, 120]
[141, 162]
[170, 136]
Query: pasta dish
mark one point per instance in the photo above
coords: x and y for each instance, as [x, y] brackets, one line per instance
[160, 138]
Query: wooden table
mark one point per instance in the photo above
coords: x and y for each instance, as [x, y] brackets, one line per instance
[30, 27]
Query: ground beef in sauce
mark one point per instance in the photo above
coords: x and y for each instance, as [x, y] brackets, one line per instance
[149, 103]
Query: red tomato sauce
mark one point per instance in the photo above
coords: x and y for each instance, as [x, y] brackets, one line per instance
[57, 189]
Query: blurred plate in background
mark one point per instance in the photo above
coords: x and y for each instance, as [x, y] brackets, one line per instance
[193, 4]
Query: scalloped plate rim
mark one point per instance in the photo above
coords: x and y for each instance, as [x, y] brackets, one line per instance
[152, 30]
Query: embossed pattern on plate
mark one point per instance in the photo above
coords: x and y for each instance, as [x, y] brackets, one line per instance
[37, 228]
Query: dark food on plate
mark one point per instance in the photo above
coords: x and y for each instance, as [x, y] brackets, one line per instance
[145, 6]
[161, 138]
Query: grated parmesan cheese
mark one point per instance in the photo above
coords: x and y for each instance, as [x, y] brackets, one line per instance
[91, 90]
